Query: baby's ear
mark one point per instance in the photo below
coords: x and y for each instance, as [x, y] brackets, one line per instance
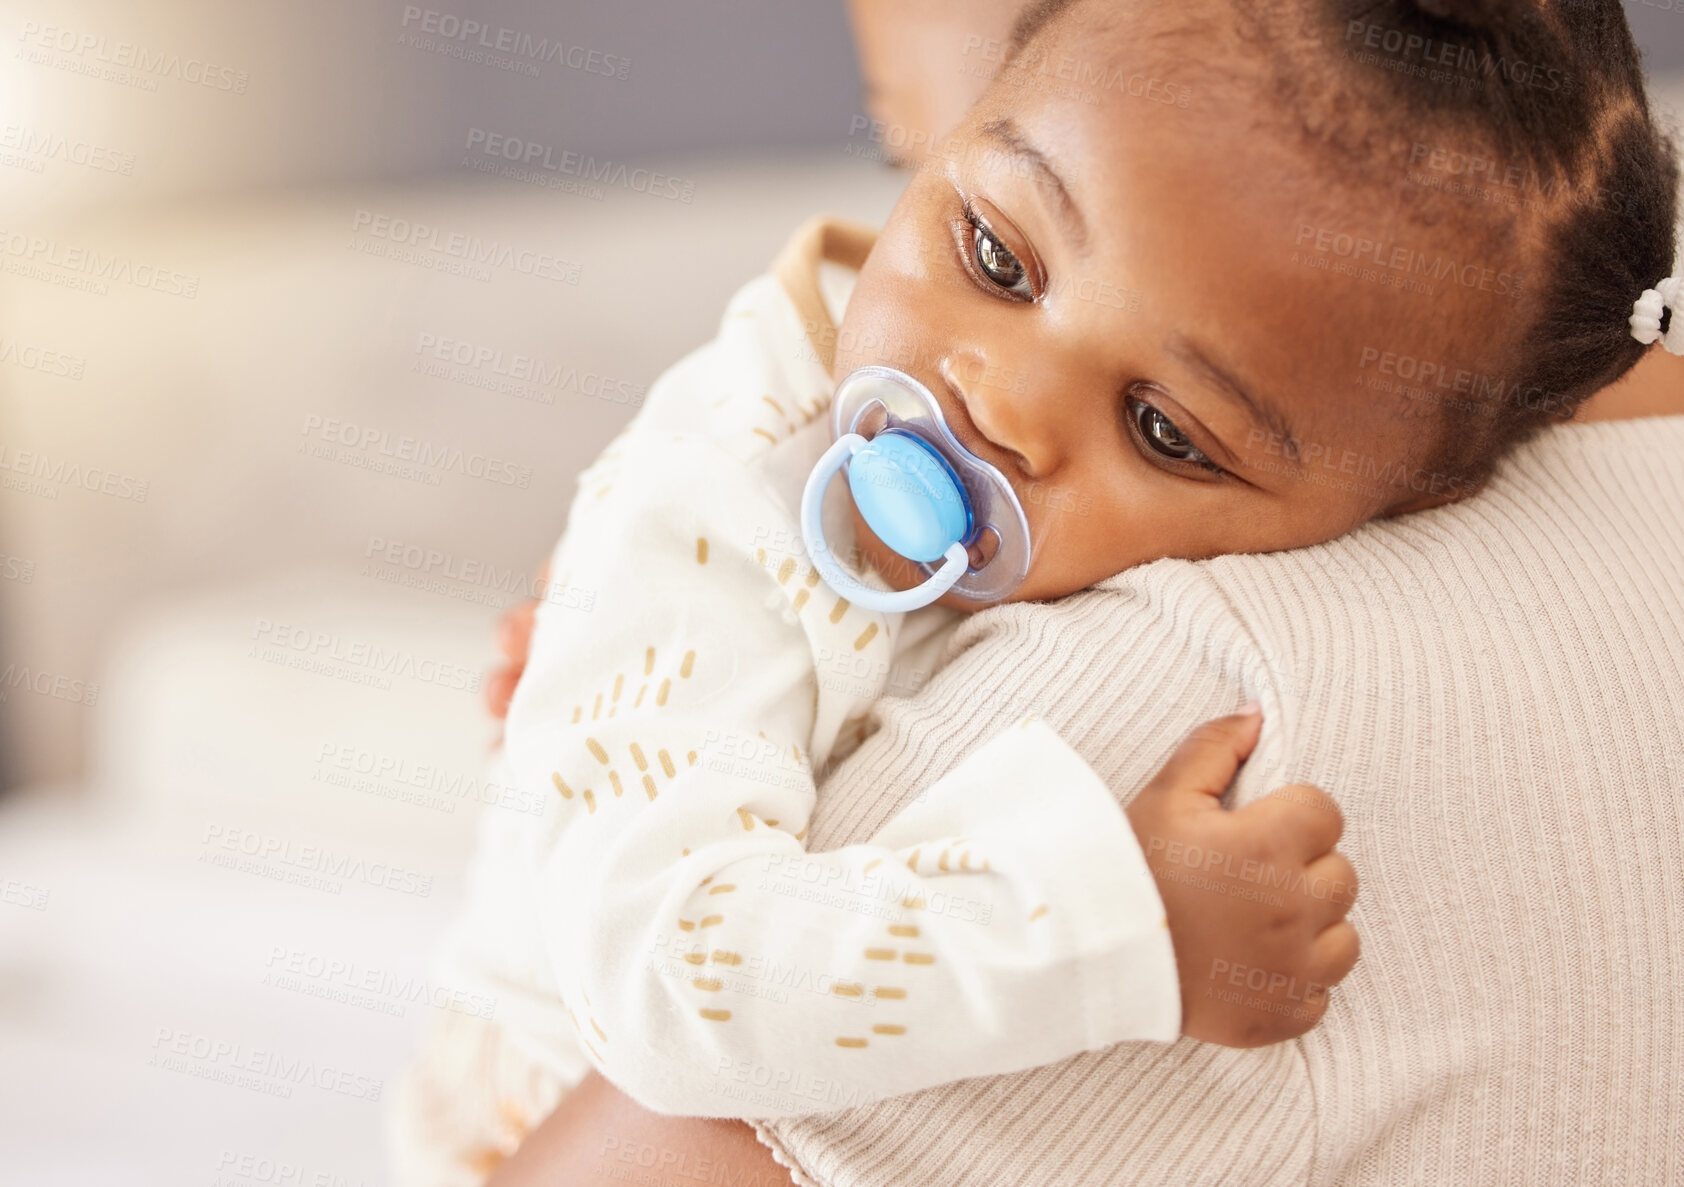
[1454, 491]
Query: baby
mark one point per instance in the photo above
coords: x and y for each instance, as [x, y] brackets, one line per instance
[1055, 284]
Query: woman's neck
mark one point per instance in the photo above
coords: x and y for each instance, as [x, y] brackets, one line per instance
[1655, 387]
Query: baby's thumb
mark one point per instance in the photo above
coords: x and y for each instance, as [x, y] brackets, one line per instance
[1205, 764]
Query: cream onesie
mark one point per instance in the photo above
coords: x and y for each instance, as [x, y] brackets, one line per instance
[663, 922]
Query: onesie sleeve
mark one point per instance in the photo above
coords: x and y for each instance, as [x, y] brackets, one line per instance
[492, 1064]
[709, 964]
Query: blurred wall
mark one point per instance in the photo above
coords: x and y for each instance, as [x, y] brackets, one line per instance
[177, 97]
[1658, 26]
[206, 96]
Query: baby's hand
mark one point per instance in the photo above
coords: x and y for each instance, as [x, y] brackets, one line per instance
[514, 639]
[1256, 898]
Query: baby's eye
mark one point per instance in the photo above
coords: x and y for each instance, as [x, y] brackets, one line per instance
[996, 262]
[1161, 434]
[1164, 439]
[999, 264]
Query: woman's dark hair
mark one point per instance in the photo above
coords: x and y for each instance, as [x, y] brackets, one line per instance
[1551, 90]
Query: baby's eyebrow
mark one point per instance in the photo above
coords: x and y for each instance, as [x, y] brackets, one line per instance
[1011, 136]
[1263, 413]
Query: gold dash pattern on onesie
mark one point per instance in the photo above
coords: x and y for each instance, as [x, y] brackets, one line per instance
[716, 1015]
[561, 785]
[701, 550]
[850, 1042]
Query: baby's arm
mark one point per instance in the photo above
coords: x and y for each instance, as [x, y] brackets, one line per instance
[1006, 920]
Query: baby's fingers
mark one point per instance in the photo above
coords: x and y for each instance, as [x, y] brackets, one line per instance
[1332, 883]
[1337, 951]
[514, 632]
[1205, 762]
[499, 689]
[1303, 819]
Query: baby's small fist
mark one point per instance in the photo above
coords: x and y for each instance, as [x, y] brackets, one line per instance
[1256, 898]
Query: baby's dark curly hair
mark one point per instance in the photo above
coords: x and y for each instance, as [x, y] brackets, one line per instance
[1550, 96]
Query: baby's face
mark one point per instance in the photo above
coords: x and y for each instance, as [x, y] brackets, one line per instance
[1141, 314]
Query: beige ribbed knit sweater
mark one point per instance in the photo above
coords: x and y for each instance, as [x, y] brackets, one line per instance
[1494, 693]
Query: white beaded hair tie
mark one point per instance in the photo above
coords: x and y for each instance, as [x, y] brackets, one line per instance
[1647, 311]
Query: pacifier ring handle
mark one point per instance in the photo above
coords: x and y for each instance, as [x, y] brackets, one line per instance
[955, 561]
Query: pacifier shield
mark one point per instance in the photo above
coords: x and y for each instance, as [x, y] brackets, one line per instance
[908, 495]
[874, 401]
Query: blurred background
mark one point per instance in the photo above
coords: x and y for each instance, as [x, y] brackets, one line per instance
[297, 370]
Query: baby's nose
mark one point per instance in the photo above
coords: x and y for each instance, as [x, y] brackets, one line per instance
[1001, 405]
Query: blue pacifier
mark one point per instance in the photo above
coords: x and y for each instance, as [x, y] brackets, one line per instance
[922, 494]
